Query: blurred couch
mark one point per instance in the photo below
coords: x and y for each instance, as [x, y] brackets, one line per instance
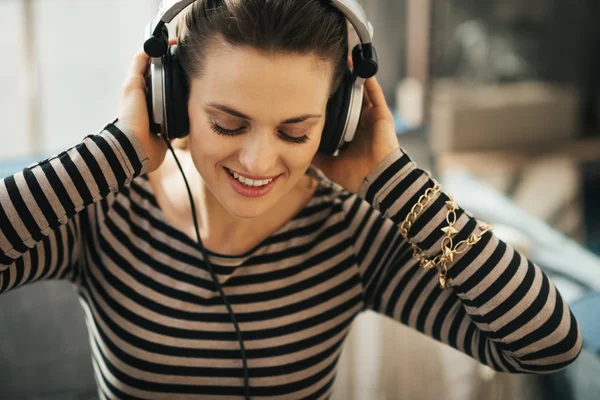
[44, 351]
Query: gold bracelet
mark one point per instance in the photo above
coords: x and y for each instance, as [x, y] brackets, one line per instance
[448, 249]
[418, 208]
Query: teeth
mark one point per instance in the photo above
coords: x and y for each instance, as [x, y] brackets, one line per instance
[250, 182]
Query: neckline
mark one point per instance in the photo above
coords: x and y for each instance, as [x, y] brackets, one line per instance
[235, 260]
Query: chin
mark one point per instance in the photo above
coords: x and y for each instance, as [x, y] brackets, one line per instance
[248, 209]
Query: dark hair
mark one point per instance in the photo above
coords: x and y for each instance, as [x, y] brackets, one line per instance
[305, 27]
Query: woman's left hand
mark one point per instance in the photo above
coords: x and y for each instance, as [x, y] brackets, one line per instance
[374, 141]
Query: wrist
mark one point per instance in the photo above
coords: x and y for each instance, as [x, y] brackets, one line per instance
[391, 170]
[127, 137]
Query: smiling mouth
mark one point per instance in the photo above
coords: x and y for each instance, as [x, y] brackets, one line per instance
[252, 183]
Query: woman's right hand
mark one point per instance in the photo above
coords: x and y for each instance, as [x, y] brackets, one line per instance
[133, 111]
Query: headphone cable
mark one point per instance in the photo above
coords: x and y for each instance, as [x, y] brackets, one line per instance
[214, 277]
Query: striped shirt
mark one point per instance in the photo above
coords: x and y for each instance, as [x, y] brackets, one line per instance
[159, 329]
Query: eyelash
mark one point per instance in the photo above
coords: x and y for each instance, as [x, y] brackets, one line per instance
[222, 131]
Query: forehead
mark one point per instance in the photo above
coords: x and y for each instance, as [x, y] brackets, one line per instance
[259, 83]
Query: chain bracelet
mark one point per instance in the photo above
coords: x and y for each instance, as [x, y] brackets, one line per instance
[418, 208]
[448, 249]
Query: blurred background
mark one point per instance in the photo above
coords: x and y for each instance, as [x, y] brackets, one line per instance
[499, 99]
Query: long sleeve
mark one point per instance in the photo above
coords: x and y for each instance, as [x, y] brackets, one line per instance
[40, 206]
[500, 309]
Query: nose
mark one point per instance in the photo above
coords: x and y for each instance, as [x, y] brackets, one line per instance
[259, 153]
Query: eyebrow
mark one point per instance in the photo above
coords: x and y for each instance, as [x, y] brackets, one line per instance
[235, 113]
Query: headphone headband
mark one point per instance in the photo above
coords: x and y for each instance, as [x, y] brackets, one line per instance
[156, 43]
[354, 13]
[169, 9]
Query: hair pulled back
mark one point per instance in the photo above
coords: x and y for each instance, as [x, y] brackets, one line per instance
[299, 27]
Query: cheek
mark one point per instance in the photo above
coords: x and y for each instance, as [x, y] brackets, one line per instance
[299, 157]
[207, 148]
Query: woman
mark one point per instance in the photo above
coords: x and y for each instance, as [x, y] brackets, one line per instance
[298, 251]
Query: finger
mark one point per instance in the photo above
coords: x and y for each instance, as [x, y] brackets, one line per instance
[173, 41]
[366, 99]
[366, 105]
[375, 93]
[350, 62]
[139, 64]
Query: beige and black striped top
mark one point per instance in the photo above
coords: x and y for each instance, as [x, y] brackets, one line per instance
[158, 327]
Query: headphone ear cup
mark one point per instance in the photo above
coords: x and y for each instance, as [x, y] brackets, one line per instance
[337, 115]
[176, 96]
[154, 127]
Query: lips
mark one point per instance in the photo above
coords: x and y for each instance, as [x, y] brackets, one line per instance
[248, 191]
[254, 178]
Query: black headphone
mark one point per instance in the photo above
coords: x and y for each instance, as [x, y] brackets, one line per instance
[168, 89]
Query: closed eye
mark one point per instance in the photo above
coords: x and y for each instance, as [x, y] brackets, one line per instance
[234, 132]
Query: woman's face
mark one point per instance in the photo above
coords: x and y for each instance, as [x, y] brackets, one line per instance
[260, 117]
